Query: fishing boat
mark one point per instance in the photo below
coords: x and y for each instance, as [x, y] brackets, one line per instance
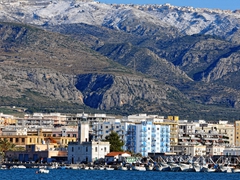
[174, 167]
[165, 167]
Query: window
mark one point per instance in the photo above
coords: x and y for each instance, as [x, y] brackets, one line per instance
[16, 140]
[86, 149]
[74, 135]
[11, 139]
[69, 135]
[54, 135]
[30, 140]
[105, 149]
[72, 149]
[23, 140]
[106, 127]
[95, 149]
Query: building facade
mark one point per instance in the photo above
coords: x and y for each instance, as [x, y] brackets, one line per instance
[147, 137]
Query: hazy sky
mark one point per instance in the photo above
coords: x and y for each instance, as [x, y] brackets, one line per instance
[213, 4]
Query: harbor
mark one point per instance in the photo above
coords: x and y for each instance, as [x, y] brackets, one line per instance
[222, 164]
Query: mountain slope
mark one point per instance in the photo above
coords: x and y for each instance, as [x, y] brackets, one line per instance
[123, 58]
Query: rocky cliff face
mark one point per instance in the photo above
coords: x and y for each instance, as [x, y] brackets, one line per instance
[107, 91]
[15, 81]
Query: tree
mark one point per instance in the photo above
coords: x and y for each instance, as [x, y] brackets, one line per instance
[116, 143]
[5, 145]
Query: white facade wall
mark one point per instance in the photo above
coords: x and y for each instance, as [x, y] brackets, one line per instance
[232, 151]
[147, 138]
[87, 151]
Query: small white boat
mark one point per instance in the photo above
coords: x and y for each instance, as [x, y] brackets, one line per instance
[3, 167]
[43, 171]
[236, 170]
[196, 167]
[101, 168]
[109, 168]
[21, 167]
[138, 168]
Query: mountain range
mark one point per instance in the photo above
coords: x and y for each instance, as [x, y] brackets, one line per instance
[122, 59]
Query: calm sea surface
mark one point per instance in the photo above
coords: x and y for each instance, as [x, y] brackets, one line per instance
[69, 174]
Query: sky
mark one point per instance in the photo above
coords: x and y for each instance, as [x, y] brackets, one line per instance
[212, 4]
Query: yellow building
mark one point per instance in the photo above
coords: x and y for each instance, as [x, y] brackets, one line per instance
[237, 132]
[174, 128]
[38, 137]
[172, 121]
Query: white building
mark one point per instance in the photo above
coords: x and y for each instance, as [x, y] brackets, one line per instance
[148, 137]
[231, 151]
[116, 156]
[87, 151]
[215, 150]
[84, 150]
[193, 150]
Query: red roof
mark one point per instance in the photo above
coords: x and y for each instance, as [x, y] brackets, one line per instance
[112, 154]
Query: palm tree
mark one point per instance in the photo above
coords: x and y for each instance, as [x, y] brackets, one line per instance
[5, 145]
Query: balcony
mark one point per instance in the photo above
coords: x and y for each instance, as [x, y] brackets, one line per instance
[143, 140]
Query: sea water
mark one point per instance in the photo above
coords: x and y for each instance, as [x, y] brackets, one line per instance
[69, 174]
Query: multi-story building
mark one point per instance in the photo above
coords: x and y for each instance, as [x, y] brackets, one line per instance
[6, 119]
[103, 128]
[85, 150]
[237, 133]
[193, 150]
[147, 137]
[215, 150]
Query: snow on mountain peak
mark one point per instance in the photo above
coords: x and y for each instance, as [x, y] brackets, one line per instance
[188, 20]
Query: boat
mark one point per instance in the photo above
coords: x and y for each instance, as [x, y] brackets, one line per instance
[86, 168]
[236, 170]
[149, 167]
[157, 168]
[138, 168]
[225, 169]
[74, 167]
[43, 171]
[207, 168]
[184, 167]
[196, 167]
[109, 168]
[3, 167]
[20, 167]
[165, 167]
[174, 167]
[122, 168]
